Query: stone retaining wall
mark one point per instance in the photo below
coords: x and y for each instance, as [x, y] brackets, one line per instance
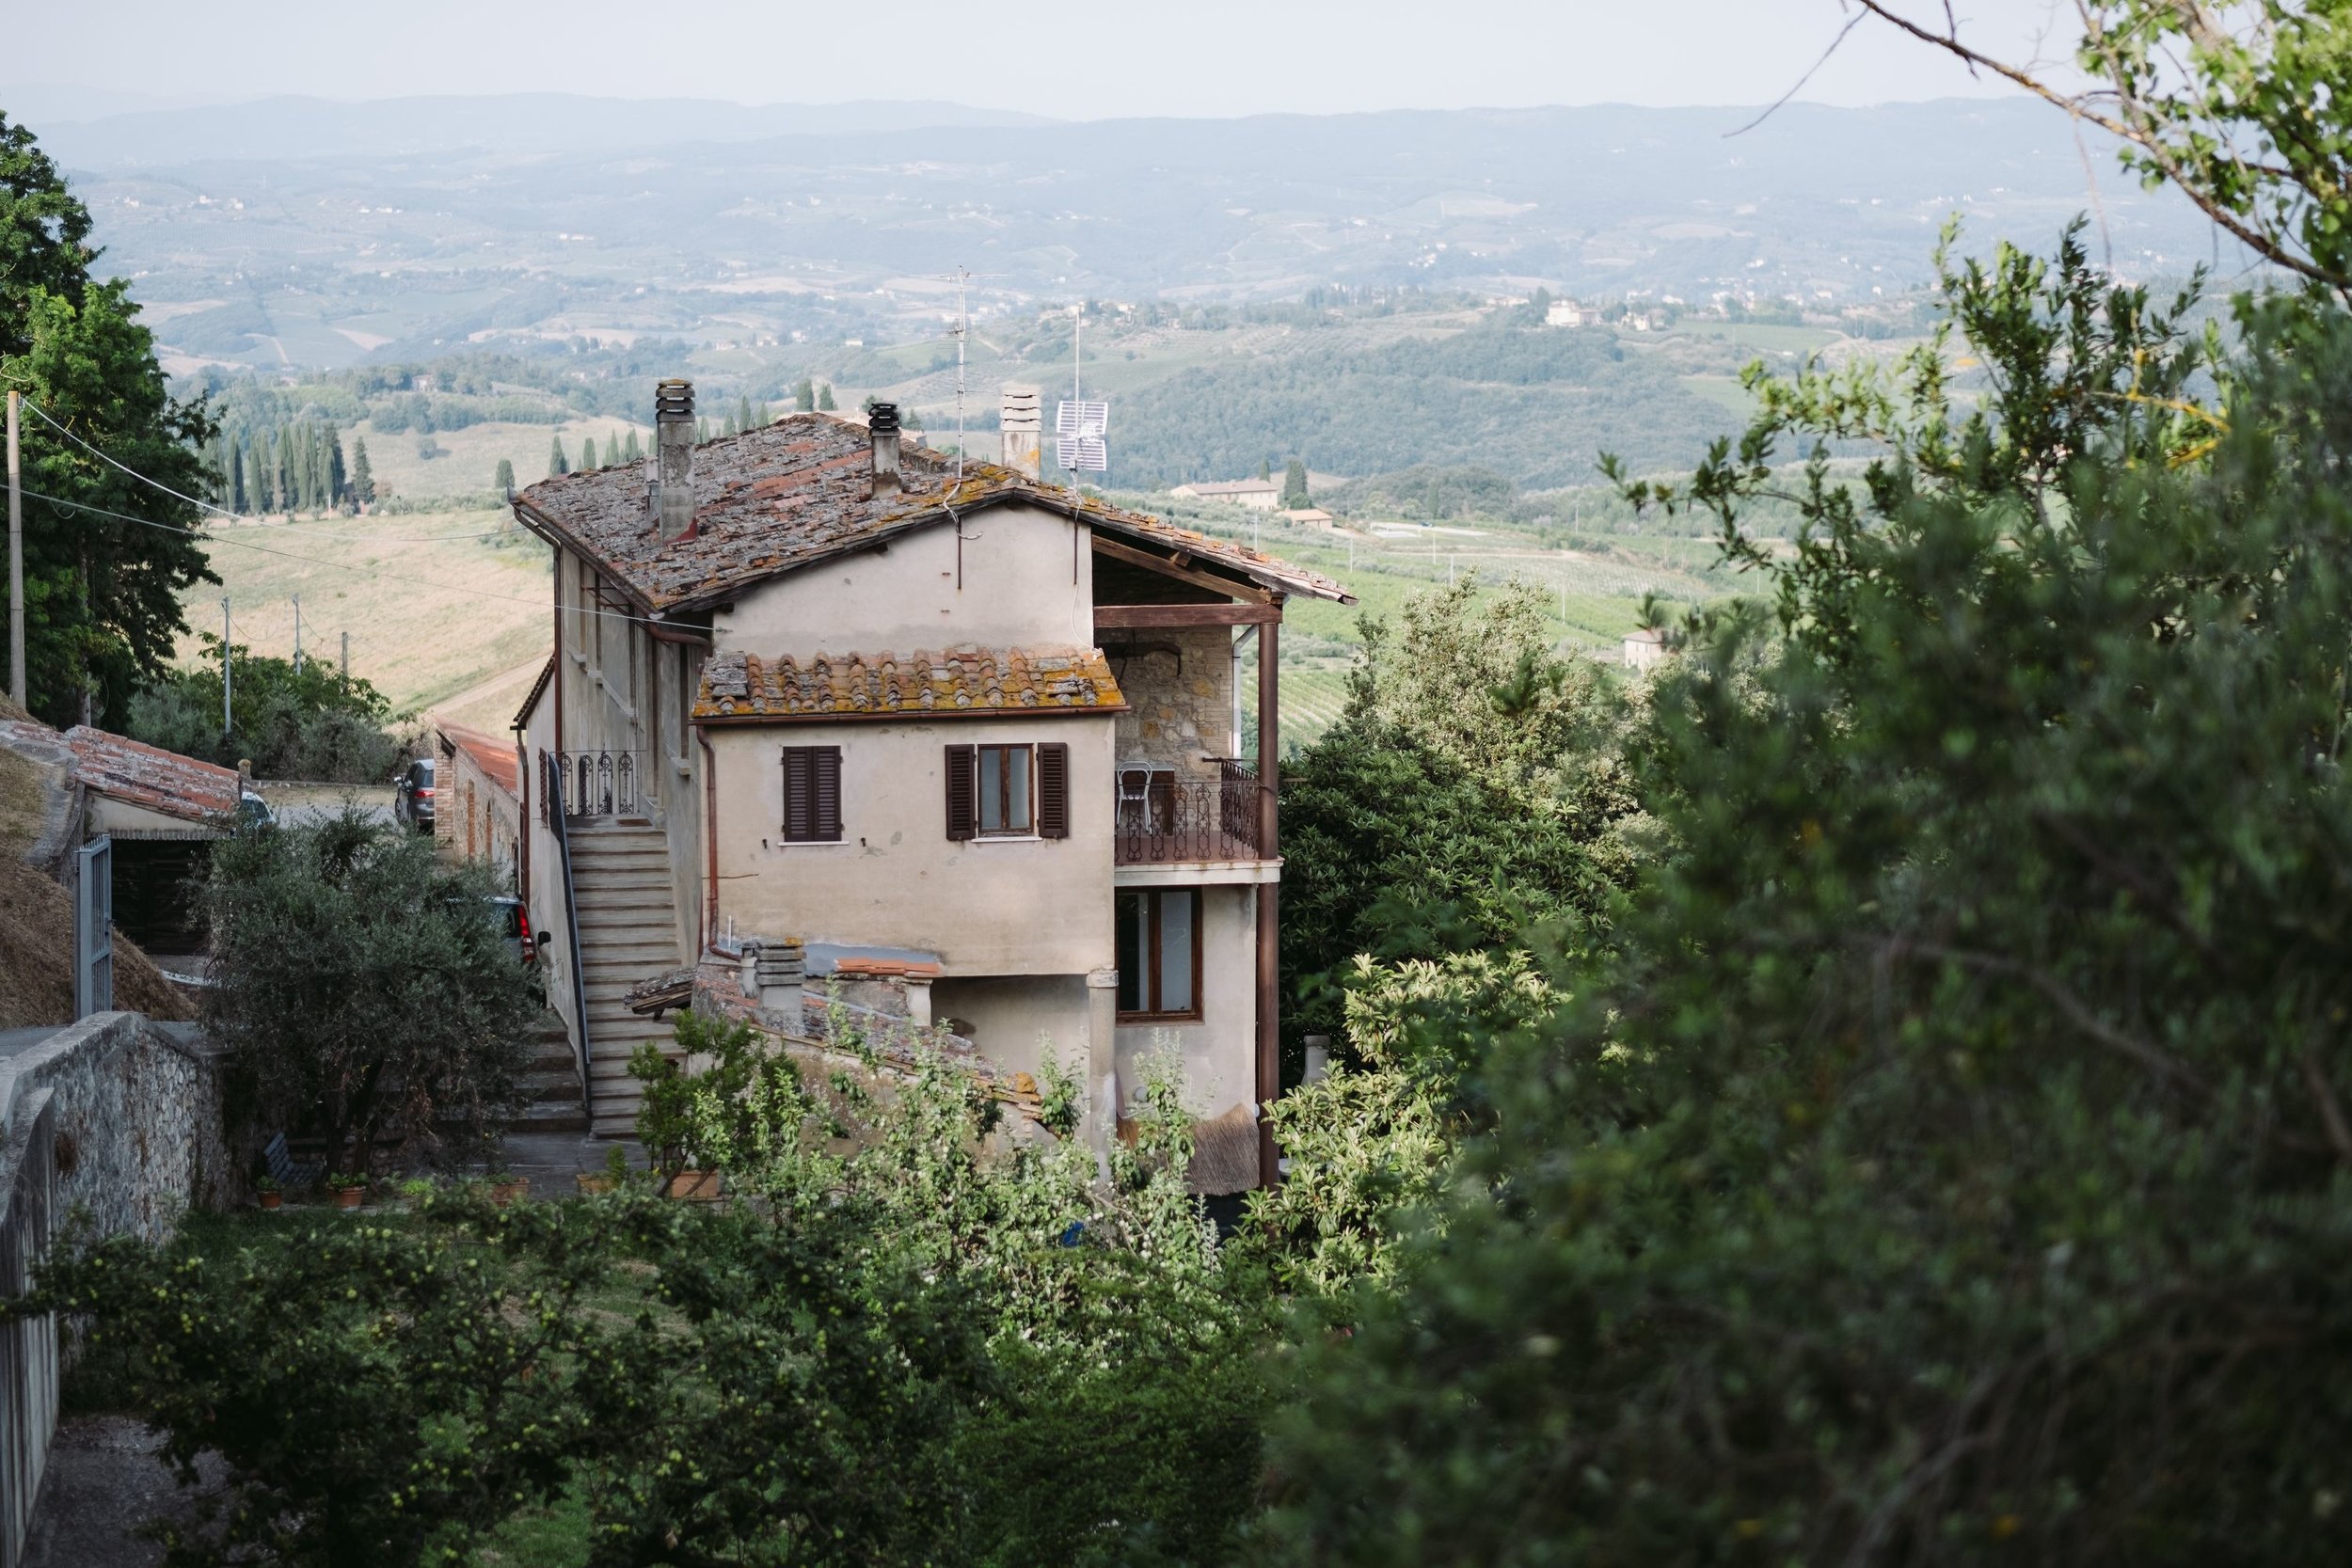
[115, 1123]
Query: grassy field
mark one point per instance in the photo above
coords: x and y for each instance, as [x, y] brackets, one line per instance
[446, 612]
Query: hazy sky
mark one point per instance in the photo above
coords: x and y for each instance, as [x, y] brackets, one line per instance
[1070, 58]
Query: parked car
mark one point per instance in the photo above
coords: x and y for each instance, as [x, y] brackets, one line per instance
[515, 924]
[412, 798]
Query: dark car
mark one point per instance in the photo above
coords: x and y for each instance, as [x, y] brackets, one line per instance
[412, 796]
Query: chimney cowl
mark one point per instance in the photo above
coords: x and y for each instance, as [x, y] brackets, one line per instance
[1020, 425]
[674, 459]
[882, 425]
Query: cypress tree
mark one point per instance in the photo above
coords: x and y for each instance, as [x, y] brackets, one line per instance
[362, 482]
[824, 398]
[632, 453]
[765, 419]
[283, 481]
[558, 464]
[743, 413]
[587, 452]
[702, 430]
[730, 428]
[804, 396]
[505, 480]
[255, 493]
[337, 477]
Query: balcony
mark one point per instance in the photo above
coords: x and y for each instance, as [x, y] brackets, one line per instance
[601, 784]
[1162, 819]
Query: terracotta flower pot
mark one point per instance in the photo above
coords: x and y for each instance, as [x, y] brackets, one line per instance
[513, 1190]
[273, 1200]
[590, 1185]
[697, 1186]
[350, 1197]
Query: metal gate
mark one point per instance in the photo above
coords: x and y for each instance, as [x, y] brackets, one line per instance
[94, 928]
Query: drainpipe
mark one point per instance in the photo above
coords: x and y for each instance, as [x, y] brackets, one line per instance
[710, 844]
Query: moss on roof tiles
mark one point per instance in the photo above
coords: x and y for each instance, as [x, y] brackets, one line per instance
[965, 682]
[797, 492]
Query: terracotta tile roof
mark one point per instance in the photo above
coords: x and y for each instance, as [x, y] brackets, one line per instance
[796, 492]
[148, 776]
[965, 682]
[538, 689]
[495, 757]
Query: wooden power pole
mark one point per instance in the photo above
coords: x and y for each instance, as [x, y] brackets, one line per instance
[16, 562]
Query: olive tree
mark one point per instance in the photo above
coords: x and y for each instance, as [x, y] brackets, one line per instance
[366, 992]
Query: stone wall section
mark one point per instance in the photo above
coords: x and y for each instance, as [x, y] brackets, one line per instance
[1178, 685]
[113, 1124]
[139, 1130]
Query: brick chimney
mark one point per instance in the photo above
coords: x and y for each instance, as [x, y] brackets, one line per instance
[1023, 427]
[881, 423]
[674, 458]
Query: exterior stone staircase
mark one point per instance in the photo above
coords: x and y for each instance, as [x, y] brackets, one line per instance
[551, 1101]
[627, 932]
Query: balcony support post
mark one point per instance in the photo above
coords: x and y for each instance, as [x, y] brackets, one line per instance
[1269, 895]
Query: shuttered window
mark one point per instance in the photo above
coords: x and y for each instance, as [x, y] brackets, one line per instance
[812, 794]
[1008, 791]
[1053, 791]
[963, 792]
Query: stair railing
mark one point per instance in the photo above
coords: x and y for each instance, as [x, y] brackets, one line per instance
[551, 789]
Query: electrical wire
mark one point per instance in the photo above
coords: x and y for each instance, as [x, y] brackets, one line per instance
[218, 511]
[334, 565]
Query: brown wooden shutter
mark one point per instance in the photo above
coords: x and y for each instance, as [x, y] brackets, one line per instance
[1053, 790]
[827, 780]
[800, 794]
[963, 792]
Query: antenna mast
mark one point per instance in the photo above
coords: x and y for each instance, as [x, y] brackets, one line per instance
[963, 334]
[1081, 426]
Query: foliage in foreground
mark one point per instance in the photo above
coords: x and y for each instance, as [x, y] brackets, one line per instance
[901, 1341]
[365, 991]
[1955, 1168]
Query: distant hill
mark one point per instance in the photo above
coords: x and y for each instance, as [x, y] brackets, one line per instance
[274, 128]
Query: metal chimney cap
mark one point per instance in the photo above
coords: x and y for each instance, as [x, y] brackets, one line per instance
[674, 399]
[883, 416]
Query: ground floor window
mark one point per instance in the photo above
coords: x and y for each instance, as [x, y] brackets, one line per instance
[1159, 954]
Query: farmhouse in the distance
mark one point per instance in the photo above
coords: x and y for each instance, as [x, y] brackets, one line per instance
[950, 724]
[1259, 495]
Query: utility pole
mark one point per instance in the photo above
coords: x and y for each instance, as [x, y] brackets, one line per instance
[16, 562]
[227, 713]
[297, 603]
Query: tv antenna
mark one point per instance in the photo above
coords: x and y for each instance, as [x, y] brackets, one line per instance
[963, 334]
[1080, 426]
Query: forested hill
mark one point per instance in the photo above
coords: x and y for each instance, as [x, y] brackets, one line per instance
[1539, 405]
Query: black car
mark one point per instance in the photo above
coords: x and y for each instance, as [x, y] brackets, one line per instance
[412, 798]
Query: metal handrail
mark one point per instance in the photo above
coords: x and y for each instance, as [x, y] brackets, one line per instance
[550, 783]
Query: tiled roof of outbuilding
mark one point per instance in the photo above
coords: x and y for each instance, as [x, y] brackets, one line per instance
[496, 760]
[957, 683]
[798, 491]
[148, 776]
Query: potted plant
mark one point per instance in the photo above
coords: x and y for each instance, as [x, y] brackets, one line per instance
[506, 1187]
[665, 1120]
[608, 1179]
[272, 1195]
[350, 1190]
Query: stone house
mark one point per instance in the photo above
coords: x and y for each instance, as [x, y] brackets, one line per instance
[1259, 495]
[814, 686]
[478, 801]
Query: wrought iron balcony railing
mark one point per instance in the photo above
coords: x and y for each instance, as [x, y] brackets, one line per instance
[1162, 818]
[604, 783]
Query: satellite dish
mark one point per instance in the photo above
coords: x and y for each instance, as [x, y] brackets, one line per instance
[1079, 428]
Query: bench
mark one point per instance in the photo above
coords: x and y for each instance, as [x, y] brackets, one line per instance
[283, 1168]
